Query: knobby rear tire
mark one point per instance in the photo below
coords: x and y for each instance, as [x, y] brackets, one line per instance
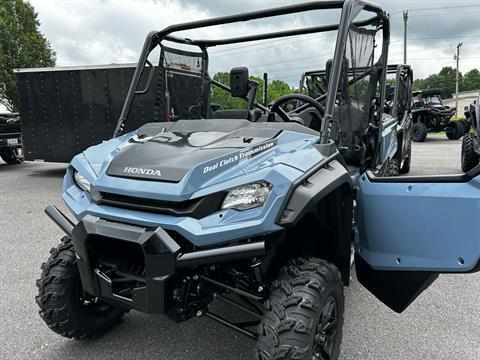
[470, 159]
[419, 132]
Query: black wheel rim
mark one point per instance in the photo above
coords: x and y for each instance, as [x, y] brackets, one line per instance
[327, 331]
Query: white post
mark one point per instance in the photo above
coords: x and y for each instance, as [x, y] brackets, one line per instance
[457, 57]
[405, 19]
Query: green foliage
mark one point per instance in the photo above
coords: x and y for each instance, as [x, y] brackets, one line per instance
[471, 80]
[275, 88]
[390, 82]
[21, 46]
[445, 80]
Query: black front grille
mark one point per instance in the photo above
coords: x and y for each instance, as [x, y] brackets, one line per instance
[196, 208]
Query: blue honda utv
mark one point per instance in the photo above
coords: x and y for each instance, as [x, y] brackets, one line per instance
[262, 209]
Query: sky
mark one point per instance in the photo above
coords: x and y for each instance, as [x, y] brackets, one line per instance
[87, 32]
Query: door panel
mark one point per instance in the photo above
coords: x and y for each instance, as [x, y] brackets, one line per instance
[419, 226]
[408, 232]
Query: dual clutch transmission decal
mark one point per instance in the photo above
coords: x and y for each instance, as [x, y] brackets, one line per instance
[241, 156]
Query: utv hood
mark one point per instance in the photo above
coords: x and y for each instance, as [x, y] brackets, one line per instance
[161, 152]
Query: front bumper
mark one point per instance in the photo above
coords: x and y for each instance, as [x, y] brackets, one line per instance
[10, 140]
[161, 258]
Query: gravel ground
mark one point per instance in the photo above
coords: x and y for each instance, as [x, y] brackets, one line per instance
[442, 324]
[436, 156]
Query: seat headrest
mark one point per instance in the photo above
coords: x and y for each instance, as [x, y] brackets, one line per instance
[328, 70]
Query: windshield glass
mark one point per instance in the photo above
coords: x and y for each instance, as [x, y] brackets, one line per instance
[433, 100]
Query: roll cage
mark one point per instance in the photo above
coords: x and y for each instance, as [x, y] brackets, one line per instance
[350, 9]
[313, 84]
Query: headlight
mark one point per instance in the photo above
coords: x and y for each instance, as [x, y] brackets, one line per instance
[247, 196]
[81, 181]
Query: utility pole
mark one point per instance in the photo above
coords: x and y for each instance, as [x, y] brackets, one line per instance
[265, 85]
[405, 19]
[457, 58]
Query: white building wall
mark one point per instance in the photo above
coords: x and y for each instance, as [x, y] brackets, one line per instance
[465, 98]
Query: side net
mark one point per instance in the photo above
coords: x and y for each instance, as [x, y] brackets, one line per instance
[358, 87]
[403, 94]
[316, 85]
[185, 83]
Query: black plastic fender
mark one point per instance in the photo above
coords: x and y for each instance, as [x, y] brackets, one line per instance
[327, 191]
[308, 191]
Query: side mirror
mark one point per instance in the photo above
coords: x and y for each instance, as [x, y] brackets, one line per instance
[239, 81]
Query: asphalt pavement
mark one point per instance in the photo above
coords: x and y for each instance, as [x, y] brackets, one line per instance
[444, 323]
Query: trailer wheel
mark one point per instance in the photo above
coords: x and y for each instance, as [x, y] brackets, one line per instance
[11, 157]
[304, 315]
[419, 132]
[64, 306]
[470, 158]
[454, 130]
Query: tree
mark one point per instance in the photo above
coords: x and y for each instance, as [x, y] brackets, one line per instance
[444, 80]
[448, 75]
[222, 97]
[21, 45]
[275, 89]
[471, 80]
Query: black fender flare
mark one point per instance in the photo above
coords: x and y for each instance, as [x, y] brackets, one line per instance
[311, 188]
[327, 186]
[419, 115]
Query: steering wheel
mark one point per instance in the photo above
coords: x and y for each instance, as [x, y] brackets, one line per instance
[276, 106]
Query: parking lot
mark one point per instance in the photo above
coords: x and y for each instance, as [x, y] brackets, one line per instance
[444, 323]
